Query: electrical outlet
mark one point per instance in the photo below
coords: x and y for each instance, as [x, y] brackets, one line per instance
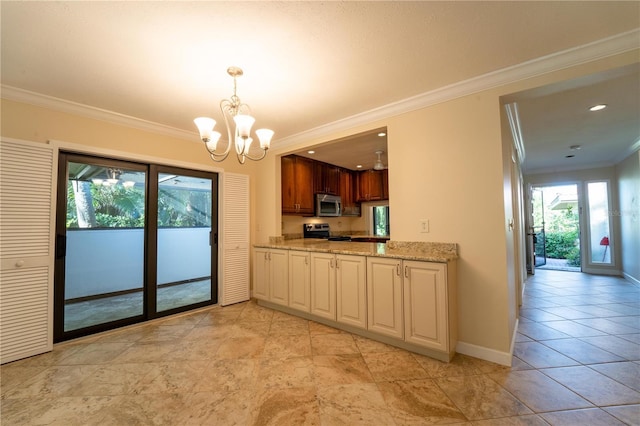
[424, 225]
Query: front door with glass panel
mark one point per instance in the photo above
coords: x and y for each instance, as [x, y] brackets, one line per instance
[133, 242]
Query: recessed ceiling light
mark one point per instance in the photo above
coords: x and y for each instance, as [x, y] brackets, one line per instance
[575, 147]
[381, 134]
[598, 107]
[311, 152]
[569, 156]
[359, 166]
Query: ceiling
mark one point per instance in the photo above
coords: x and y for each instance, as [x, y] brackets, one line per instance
[306, 64]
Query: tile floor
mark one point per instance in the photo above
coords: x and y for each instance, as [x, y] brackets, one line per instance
[577, 362]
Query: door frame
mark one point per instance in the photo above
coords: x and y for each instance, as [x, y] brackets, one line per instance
[150, 243]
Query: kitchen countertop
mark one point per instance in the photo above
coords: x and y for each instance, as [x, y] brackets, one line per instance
[420, 251]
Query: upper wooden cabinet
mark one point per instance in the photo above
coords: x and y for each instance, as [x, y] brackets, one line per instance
[327, 178]
[373, 185]
[297, 185]
[348, 187]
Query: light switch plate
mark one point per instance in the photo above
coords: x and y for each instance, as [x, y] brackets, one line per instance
[424, 225]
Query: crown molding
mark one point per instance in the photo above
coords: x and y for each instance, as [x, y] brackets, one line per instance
[599, 49]
[75, 108]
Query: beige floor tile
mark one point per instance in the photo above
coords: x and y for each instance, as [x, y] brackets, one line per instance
[289, 327]
[317, 328]
[12, 375]
[354, 404]
[391, 366]
[110, 379]
[241, 347]
[147, 352]
[479, 397]
[581, 351]
[340, 369]
[589, 416]
[285, 372]
[250, 329]
[76, 411]
[172, 377]
[539, 392]
[217, 407]
[52, 382]
[96, 353]
[285, 346]
[208, 332]
[460, 365]
[419, 402]
[161, 409]
[286, 406]
[372, 346]
[333, 344]
[228, 375]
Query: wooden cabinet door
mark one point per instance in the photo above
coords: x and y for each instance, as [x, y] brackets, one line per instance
[384, 296]
[279, 276]
[348, 193]
[323, 285]
[296, 175]
[326, 178]
[425, 304]
[287, 174]
[304, 185]
[369, 185]
[351, 290]
[300, 280]
[261, 273]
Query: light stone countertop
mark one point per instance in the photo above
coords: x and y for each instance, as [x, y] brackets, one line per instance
[420, 251]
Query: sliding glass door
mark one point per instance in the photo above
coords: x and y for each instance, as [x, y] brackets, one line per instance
[133, 242]
[186, 238]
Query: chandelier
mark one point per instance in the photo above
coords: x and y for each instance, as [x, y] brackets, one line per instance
[238, 120]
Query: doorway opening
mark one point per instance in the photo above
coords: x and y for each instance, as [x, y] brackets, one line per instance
[556, 227]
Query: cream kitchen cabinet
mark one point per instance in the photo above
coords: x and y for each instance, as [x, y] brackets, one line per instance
[429, 308]
[351, 290]
[338, 288]
[271, 275]
[384, 296]
[300, 280]
[323, 285]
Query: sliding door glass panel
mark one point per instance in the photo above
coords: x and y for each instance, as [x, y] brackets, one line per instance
[184, 241]
[599, 226]
[104, 257]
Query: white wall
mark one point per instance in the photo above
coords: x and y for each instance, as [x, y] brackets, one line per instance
[628, 180]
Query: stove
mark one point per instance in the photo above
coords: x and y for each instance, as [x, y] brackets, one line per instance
[321, 230]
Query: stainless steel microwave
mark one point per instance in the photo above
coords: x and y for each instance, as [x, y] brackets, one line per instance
[328, 205]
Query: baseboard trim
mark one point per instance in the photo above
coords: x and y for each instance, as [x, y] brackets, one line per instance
[631, 278]
[487, 354]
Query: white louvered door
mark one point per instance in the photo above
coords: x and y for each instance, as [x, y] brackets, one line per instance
[27, 201]
[235, 239]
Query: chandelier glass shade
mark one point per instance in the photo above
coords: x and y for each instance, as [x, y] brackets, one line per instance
[238, 121]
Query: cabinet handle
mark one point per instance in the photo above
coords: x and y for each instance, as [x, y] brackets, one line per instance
[266, 255]
[306, 260]
[398, 269]
[269, 255]
[406, 271]
[337, 263]
[331, 263]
